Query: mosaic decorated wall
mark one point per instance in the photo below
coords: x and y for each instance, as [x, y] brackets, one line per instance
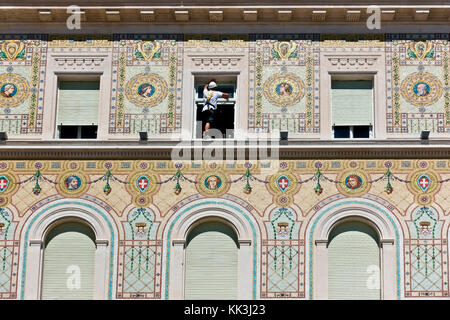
[142, 199]
[284, 85]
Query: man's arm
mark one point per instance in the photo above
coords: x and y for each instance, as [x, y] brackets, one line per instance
[225, 95]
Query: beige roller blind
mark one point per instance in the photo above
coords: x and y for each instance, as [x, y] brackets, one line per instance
[353, 263]
[352, 102]
[211, 263]
[78, 102]
[69, 262]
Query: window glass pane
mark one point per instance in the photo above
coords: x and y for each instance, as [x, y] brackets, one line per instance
[68, 132]
[361, 131]
[342, 132]
[88, 132]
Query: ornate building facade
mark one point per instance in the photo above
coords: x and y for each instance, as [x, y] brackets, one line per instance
[105, 214]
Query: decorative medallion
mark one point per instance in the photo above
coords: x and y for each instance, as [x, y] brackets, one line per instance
[421, 50]
[12, 50]
[421, 89]
[283, 183]
[146, 50]
[4, 183]
[423, 181]
[213, 183]
[142, 183]
[353, 182]
[4, 201]
[73, 184]
[283, 200]
[141, 201]
[284, 50]
[284, 89]
[14, 89]
[146, 89]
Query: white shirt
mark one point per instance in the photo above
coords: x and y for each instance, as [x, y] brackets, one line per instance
[212, 96]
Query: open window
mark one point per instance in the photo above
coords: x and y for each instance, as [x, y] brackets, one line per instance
[77, 107]
[225, 115]
[352, 107]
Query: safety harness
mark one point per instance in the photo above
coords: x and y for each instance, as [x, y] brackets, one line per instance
[208, 98]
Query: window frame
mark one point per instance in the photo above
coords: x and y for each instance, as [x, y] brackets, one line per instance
[353, 77]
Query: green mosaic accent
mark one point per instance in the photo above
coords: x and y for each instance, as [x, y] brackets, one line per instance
[258, 86]
[171, 97]
[36, 62]
[310, 93]
[396, 93]
[445, 66]
[121, 97]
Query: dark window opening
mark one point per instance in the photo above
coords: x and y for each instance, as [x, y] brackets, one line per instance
[224, 116]
[355, 132]
[78, 132]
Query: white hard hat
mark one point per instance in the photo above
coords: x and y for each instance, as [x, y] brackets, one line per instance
[212, 85]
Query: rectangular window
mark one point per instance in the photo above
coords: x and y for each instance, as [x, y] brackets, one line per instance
[224, 116]
[352, 108]
[77, 115]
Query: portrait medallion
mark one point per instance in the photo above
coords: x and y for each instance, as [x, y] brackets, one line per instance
[146, 89]
[284, 90]
[421, 89]
[14, 89]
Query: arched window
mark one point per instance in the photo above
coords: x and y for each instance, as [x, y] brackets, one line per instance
[69, 262]
[353, 262]
[211, 262]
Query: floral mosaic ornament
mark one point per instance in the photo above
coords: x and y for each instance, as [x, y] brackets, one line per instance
[284, 50]
[421, 89]
[284, 89]
[146, 89]
[421, 50]
[248, 176]
[14, 89]
[146, 50]
[12, 50]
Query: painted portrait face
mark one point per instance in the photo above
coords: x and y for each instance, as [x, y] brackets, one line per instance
[146, 90]
[147, 47]
[72, 183]
[284, 89]
[284, 48]
[8, 90]
[353, 182]
[213, 182]
[422, 89]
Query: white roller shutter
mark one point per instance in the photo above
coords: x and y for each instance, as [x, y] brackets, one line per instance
[353, 263]
[352, 102]
[69, 255]
[78, 103]
[211, 263]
